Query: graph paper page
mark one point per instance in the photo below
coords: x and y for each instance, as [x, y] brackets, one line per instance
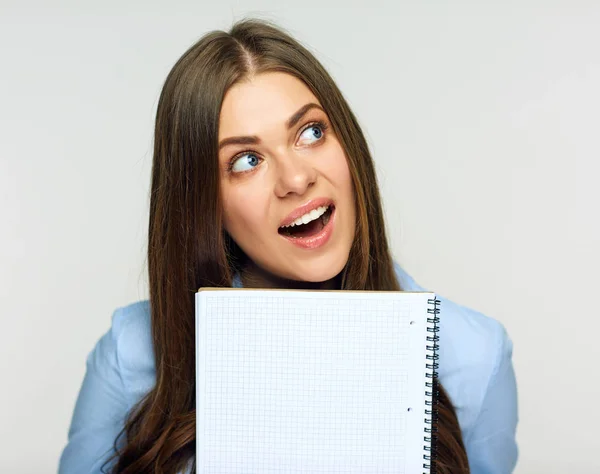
[310, 382]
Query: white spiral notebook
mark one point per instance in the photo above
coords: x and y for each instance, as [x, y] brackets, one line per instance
[298, 381]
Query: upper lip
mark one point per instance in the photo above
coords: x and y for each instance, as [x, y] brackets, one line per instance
[304, 208]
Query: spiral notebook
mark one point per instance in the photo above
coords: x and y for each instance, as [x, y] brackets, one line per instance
[300, 381]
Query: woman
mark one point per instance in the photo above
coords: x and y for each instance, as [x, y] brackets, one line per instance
[252, 132]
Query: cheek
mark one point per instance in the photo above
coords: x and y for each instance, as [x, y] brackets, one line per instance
[341, 171]
[243, 217]
[342, 180]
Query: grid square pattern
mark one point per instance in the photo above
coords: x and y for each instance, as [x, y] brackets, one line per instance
[303, 385]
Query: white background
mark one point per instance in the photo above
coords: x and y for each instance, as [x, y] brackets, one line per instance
[483, 118]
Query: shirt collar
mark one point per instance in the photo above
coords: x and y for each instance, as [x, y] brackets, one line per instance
[237, 281]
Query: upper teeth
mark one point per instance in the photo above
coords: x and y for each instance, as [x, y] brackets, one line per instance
[309, 216]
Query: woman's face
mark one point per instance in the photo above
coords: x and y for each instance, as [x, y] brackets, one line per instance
[280, 162]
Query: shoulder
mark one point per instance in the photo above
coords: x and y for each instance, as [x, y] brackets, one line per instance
[473, 348]
[132, 341]
[481, 328]
[119, 371]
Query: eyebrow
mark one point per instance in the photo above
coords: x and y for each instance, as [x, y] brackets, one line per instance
[254, 140]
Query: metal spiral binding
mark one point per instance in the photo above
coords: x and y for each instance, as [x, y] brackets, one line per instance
[431, 390]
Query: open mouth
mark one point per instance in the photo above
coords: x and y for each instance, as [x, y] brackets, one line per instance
[309, 229]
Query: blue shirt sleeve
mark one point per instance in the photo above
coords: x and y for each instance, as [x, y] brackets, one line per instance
[491, 445]
[99, 411]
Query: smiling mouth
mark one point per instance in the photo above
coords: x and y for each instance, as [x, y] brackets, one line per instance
[310, 229]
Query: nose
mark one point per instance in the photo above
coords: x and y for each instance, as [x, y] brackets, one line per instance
[295, 174]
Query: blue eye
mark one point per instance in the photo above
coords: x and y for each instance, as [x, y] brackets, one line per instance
[239, 163]
[314, 131]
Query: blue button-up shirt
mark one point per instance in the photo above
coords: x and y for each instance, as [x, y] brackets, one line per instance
[475, 369]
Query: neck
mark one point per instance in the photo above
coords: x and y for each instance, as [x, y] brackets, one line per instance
[253, 276]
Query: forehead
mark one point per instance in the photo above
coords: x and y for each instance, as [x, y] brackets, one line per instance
[265, 100]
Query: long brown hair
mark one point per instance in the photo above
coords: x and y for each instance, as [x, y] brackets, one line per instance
[188, 249]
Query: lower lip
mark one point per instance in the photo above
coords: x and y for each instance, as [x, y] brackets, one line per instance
[317, 240]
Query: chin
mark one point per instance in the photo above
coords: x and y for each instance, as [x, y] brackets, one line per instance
[318, 270]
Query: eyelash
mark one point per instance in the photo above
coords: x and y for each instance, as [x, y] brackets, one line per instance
[319, 123]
